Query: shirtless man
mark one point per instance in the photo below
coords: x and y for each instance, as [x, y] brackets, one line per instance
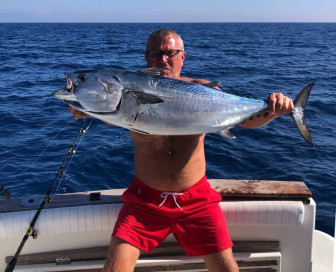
[170, 182]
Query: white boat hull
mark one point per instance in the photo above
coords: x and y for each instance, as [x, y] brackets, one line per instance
[89, 224]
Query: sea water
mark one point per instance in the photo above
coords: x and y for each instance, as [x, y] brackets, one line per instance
[248, 59]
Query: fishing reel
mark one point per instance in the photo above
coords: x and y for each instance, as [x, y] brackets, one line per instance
[33, 233]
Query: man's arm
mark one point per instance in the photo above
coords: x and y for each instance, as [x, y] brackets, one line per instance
[278, 104]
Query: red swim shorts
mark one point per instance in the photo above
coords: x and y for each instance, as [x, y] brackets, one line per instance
[193, 215]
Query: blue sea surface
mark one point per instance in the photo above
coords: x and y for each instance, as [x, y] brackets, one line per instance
[248, 59]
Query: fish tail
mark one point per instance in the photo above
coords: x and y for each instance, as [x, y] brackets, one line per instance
[298, 112]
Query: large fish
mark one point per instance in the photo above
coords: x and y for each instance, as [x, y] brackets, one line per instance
[147, 103]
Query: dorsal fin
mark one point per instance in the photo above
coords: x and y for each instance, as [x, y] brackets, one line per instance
[212, 84]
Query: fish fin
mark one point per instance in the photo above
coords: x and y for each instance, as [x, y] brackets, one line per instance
[144, 98]
[154, 71]
[298, 112]
[212, 84]
[227, 133]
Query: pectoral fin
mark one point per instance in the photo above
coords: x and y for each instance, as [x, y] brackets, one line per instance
[144, 98]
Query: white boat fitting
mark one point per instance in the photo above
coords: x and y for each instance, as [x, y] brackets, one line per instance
[272, 225]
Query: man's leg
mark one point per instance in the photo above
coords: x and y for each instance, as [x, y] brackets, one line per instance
[121, 256]
[222, 261]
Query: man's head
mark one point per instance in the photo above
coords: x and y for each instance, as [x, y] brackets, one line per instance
[165, 49]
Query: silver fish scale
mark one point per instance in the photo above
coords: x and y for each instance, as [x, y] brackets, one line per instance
[194, 97]
[194, 113]
[191, 107]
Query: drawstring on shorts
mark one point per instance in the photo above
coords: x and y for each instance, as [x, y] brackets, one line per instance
[173, 194]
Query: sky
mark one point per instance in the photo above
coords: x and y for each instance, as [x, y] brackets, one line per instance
[168, 11]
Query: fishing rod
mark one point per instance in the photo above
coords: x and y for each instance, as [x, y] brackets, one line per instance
[11, 265]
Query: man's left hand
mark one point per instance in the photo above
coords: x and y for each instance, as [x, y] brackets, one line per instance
[279, 104]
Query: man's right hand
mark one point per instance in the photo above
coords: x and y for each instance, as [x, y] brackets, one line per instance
[78, 114]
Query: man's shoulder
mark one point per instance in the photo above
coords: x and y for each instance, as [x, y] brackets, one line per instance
[195, 80]
[202, 81]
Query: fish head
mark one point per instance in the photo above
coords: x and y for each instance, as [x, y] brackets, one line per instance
[88, 91]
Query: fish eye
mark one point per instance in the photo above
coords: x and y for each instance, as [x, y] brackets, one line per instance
[81, 77]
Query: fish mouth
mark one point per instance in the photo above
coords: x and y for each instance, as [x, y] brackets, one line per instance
[70, 86]
[68, 92]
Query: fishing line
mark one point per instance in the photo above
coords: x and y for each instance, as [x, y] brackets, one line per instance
[39, 156]
[30, 231]
[41, 152]
[75, 151]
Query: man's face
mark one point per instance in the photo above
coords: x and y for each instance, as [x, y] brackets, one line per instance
[171, 65]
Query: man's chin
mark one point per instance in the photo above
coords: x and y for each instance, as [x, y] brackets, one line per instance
[165, 73]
